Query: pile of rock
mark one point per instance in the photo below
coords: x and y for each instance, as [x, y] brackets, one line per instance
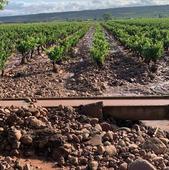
[8, 163]
[75, 140]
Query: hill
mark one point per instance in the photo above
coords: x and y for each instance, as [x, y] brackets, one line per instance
[127, 12]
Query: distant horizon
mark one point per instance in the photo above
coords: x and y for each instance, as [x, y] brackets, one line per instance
[82, 10]
[28, 7]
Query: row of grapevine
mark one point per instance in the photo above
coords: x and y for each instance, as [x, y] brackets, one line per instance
[100, 47]
[28, 38]
[160, 23]
[145, 42]
[57, 53]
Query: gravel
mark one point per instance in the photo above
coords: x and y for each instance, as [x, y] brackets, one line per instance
[73, 140]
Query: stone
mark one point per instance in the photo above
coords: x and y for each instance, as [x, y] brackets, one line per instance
[74, 160]
[83, 161]
[165, 140]
[100, 149]
[141, 164]
[109, 135]
[61, 152]
[61, 161]
[1, 129]
[111, 150]
[95, 140]
[36, 123]
[98, 128]
[123, 166]
[106, 126]
[121, 143]
[69, 109]
[124, 129]
[93, 165]
[107, 143]
[28, 100]
[16, 134]
[133, 146]
[92, 110]
[26, 139]
[155, 145]
[94, 121]
[27, 167]
[166, 168]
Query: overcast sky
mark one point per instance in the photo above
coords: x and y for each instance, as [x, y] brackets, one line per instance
[23, 7]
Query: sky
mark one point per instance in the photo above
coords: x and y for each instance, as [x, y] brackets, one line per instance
[24, 7]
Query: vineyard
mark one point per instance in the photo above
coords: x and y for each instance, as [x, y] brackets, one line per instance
[46, 71]
[84, 58]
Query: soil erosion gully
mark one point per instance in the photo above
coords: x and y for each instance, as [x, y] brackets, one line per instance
[130, 108]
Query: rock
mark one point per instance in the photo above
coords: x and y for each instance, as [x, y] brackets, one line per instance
[8, 159]
[74, 160]
[1, 129]
[100, 149]
[27, 167]
[165, 140]
[93, 165]
[7, 111]
[69, 109]
[61, 152]
[28, 100]
[61, 161]
[2, 167]
[36, 123]
[108, 136]
[155, 145]
[92, 110]
[85, 136]
[19, 165]
[123, 166]
[133, 146]
[83, 161]
[121, 143]
[111, 150]
[106, 126]
[26, 139]
[107, 143]
[166, 168]
[16, 144]
[98, 128]
[95, 140]
[15, 152]
[94, 121]
[141, 164]
[16, 134]
[124, 129]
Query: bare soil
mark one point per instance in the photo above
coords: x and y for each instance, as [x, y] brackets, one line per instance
[122, 74]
